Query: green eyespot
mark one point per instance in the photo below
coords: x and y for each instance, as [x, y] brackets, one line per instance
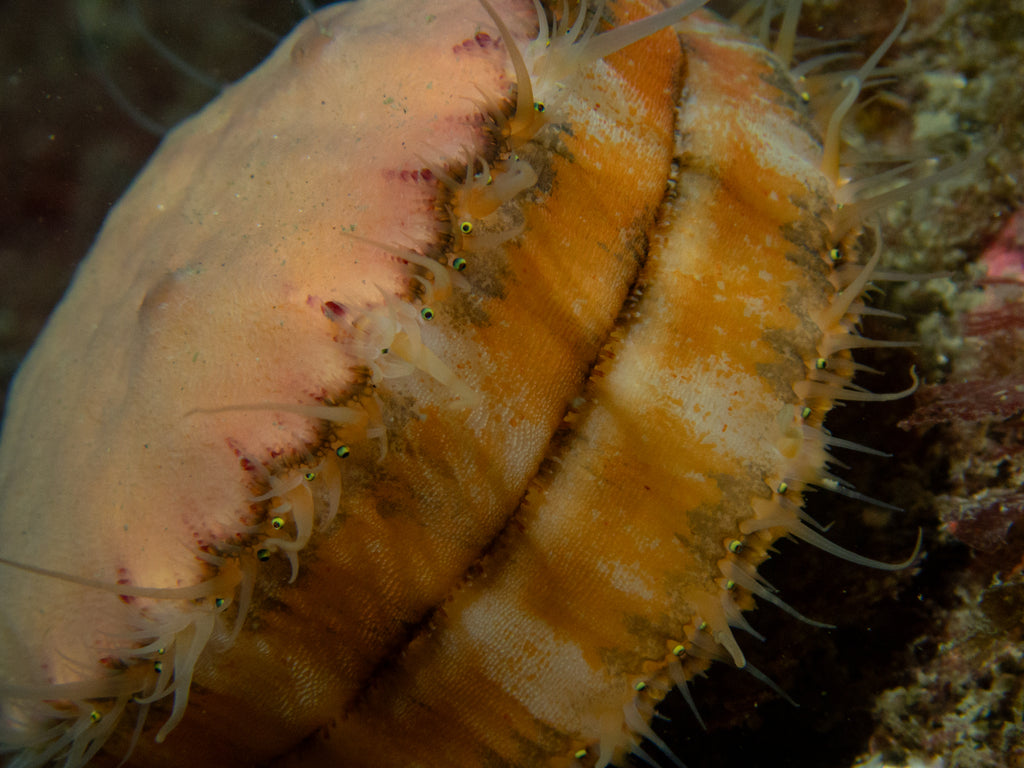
[459, 264]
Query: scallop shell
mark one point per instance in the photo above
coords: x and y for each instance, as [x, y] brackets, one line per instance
[430, 399]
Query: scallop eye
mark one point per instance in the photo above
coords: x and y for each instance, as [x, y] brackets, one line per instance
[310, 476]
[277, 523]
[459, 264]
[427, 313]
[538, 106]
[466, 227]
[342, 452]
[263, 555]
[219, 602]
[95, 716]
[158, 666]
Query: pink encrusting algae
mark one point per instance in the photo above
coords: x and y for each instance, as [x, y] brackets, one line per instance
[432, 397]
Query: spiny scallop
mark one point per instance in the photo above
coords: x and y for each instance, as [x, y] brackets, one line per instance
[432, 397]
